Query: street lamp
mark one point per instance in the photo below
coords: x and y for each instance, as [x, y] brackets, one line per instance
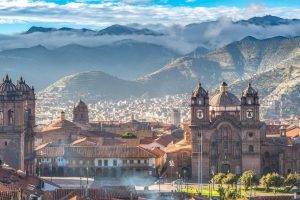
[158, 181]
[251, 185]
[200, 151]
[87, 177]
[171, 164]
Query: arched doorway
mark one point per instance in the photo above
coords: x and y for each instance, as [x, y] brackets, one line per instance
[267, 170]
[225, 168]
[185, 173]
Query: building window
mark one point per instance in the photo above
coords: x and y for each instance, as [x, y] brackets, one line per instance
[124, 162]
[225, 145]
[250, 135]
[1, 118]
[105, 163]
[115, 162]
[250, 149]
[145, 161]
[10, 115]
[131, 161]
[5, 143]
[99, 163]
[139, 161]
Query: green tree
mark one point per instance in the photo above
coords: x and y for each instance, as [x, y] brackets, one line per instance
[229, 179]
[231, 194]
[249, 178]
[128, 135]
[218, 178]
[271, 180]
[222, 192]
[292, 179]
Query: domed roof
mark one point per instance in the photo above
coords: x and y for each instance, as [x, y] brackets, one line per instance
[224, 98]
[80, 104]
[7, 86]
[22, 86]
[199, 91]
[249, 91]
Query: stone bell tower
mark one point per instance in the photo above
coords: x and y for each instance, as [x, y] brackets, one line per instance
[17, 120]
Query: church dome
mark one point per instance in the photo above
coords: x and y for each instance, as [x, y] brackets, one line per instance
[22, 86]
[199, 91]
[224, 97]
[80, 104]
[7, 86]
[249, 91]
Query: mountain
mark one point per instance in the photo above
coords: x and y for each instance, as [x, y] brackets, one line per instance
[247, 59]
[91, 86]
[268, 20]
[238, 60]
[36, 29]
[125, 30]
[125, 59]
[198, 52]
[281, 84]
[111, 30]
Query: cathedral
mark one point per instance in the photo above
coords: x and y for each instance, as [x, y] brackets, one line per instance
[228, 136]
[17, 120]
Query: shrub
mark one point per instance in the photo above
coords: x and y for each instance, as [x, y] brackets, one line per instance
[229, 179]
[249, 178]
[218, 178]
[292, 179]
[271, 180]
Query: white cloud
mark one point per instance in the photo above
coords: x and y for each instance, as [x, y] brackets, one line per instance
[110, 12]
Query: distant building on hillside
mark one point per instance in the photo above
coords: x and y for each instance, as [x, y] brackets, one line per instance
[175, 117]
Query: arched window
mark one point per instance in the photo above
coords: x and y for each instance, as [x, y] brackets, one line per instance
[1, 118]
[10, 115]
[267, 154]
[250, 149]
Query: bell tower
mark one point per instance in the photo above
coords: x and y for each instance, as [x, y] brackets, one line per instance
[81, 113]
[249, 104]
[199, 106]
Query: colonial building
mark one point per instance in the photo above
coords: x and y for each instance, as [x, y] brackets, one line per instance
[228, 136]
[17, 120]
[101, 161]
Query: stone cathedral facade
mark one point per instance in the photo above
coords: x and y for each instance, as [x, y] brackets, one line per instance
[234, 138]
[17, 121]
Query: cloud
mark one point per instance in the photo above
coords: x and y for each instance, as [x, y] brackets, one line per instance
[166, 19]
[103, 13]
[137, 1]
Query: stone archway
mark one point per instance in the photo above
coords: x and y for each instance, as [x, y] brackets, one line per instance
[225, 168]
[185, 173]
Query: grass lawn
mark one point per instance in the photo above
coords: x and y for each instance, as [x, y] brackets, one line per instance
[255, 191]
[204, 192]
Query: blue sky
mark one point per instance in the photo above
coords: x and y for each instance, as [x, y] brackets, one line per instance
[19, 15]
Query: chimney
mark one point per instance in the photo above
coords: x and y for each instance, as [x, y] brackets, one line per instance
[62, 115]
